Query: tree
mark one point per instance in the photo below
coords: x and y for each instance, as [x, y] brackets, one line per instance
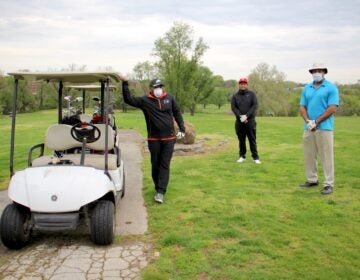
[5, 94]
[349, 100]
[46, 96]
[269, 85]
[179, 60]
[144, 72]
[25, 100]
[73, 67]
[220, 96]
[202, 87]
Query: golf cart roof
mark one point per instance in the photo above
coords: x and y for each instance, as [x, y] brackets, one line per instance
[89, 87]
[69, 77]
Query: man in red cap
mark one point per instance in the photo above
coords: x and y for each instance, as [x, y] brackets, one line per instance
[244, 105]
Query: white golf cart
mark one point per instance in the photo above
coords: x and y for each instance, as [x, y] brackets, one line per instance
[82, 179]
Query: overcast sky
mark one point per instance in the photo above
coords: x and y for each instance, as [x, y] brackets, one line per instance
[291, 35]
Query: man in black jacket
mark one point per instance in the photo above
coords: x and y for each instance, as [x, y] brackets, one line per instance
[160, 109]
[244, 105]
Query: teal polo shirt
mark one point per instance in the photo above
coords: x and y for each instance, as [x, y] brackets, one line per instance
[318, 100]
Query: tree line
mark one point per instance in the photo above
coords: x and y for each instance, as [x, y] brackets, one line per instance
[178, 63]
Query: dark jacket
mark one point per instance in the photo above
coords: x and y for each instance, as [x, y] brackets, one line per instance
[159, 113]
[244, 103]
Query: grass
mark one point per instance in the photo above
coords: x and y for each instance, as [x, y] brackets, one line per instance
[223, 220]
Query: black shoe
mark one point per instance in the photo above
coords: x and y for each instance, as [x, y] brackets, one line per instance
[309, 184]
[327, 190]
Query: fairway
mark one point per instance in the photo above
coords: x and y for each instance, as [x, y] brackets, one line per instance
[225, 220]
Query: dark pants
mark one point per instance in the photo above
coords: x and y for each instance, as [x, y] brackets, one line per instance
[248, 130]
[161, 153]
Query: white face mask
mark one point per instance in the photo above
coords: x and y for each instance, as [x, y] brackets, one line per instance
[158, 92]
[317, 77]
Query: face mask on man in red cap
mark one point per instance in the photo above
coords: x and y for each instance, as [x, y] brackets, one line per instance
[158, 92]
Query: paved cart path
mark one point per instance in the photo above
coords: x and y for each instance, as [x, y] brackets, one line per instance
[132, 215]
[72, 255]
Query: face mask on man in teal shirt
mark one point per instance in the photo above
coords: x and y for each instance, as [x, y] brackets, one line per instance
[317, 77]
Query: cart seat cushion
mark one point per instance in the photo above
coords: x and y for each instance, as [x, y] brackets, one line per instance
[58, 138]
[92, 160]
[99, 144]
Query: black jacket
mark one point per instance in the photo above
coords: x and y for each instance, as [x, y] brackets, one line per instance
[244, 103]
[159, 113]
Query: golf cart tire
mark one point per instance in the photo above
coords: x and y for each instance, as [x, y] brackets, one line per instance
[102, 223]
[14, 227]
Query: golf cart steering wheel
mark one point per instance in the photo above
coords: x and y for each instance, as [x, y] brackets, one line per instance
[85, 131]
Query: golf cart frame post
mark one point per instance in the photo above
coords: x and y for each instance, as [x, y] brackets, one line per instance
[80, 77]
[13, 122]
[60, 91]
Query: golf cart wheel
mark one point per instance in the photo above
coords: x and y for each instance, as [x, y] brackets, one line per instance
[15, 226]
[102, 224]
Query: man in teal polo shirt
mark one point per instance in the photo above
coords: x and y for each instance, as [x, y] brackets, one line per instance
[319, 101]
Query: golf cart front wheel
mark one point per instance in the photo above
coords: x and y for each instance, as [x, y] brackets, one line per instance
[15, 226]
[102, 225]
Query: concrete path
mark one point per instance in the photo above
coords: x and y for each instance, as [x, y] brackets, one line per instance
[132, 215]
[72, 255]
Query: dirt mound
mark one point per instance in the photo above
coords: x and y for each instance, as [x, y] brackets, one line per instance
[199, 147]
[190, 134]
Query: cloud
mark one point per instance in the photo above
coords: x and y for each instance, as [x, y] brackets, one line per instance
[291, 49]
[288, 34]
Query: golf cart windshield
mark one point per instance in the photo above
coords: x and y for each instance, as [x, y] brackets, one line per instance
[86, 88]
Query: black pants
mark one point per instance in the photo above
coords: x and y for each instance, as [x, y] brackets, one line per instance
[161, 153]
[248, 130]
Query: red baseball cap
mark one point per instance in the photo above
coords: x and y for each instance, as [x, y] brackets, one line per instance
[243, 81]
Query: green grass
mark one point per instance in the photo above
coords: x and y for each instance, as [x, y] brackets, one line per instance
[223, 220]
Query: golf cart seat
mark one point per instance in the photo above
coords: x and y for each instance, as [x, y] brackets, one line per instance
[85, 118]
[58, 138]
[99, 145]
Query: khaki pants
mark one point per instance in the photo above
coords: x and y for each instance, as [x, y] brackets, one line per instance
[319, 142]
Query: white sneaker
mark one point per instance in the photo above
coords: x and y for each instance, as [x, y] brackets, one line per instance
[257, 161]
[159, 197]
[241, 159]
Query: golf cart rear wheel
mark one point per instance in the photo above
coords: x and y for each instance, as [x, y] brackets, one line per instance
[102, 225]
[15, 226]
